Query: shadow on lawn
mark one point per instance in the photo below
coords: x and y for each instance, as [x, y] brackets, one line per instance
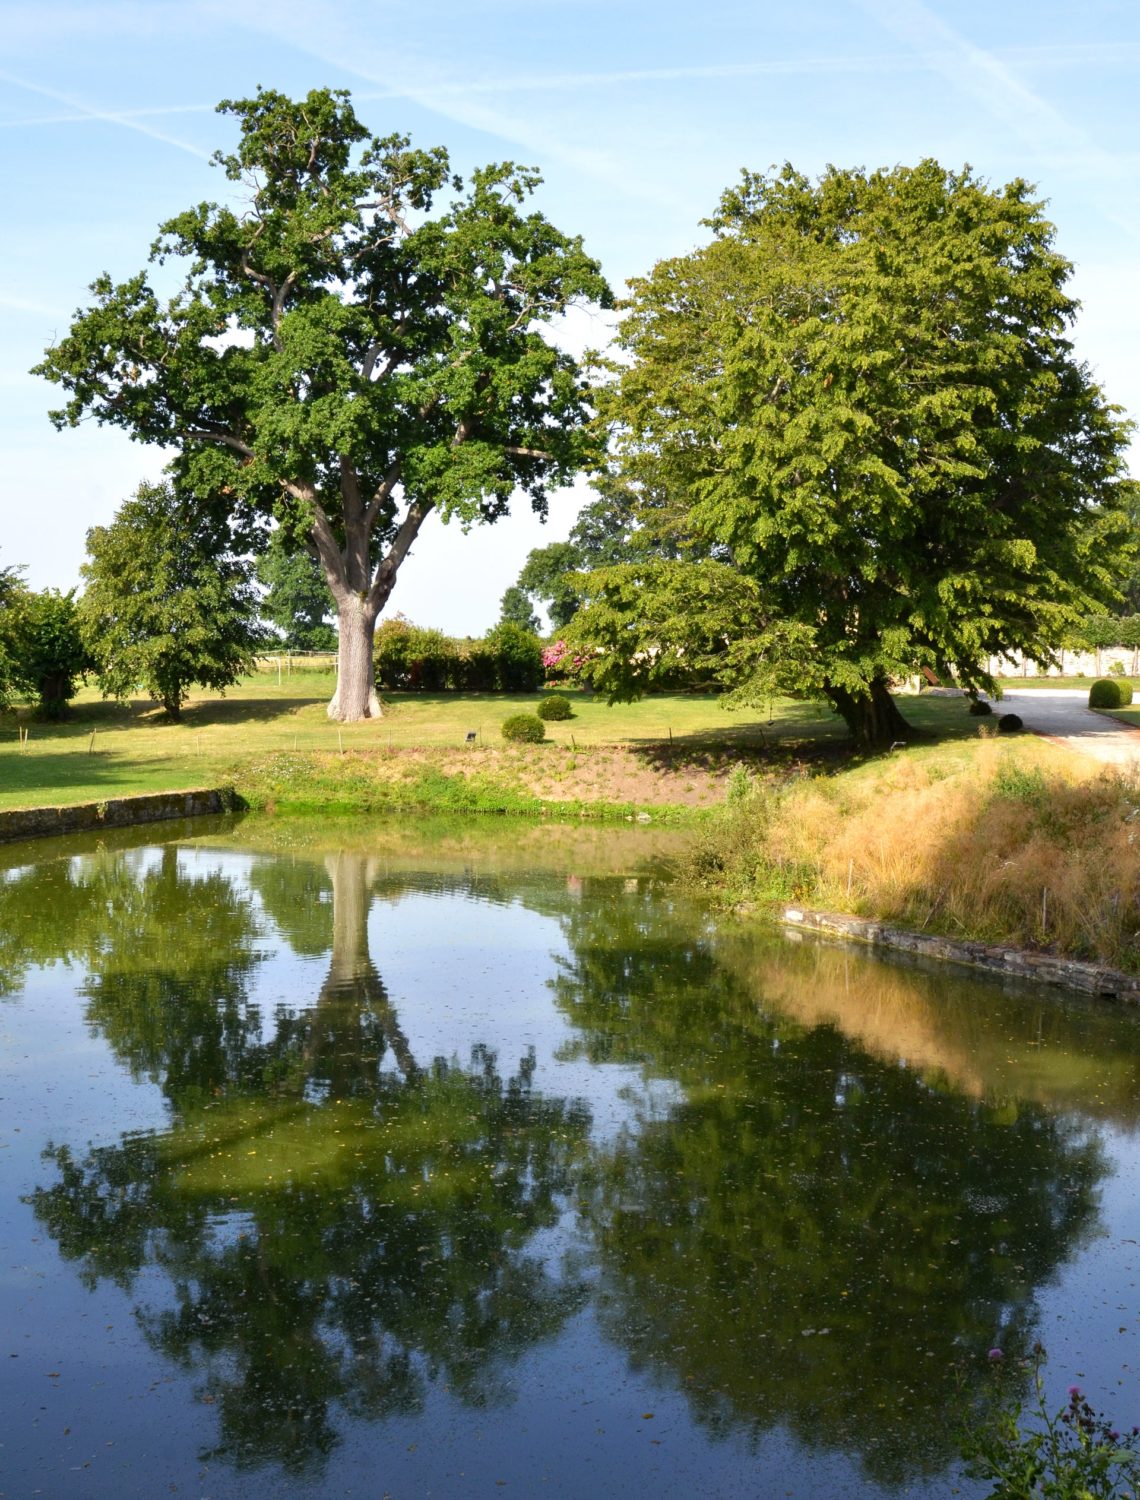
[56, 772]
[143, 713]
[806, 739]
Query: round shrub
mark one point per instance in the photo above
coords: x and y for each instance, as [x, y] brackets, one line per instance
[1010, 723]
[1110, 692]
[979, 706]
[526, 727]
[557, 706]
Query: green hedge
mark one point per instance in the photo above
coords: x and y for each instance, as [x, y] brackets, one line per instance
[1110, 692]
[408, 658]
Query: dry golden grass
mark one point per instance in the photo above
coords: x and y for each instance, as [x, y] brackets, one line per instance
[1028, 845]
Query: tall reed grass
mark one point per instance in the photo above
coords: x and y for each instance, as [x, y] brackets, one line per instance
[1023, 845]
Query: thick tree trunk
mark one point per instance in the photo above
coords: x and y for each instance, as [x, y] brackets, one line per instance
[355, 696]
[355, 1022]
[872, 717]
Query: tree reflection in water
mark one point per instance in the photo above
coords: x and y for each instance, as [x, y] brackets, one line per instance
[811, 1238]
[333, 1233]
[793, 1232]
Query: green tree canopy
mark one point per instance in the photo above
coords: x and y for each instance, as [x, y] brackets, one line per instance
[297, 601]
[617, 526]
[861, 396]
[345, 354]
[168, 603]
[42, 651]
[515, 609]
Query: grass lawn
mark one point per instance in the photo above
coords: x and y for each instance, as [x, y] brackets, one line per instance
[681, 745]
[1082, 683]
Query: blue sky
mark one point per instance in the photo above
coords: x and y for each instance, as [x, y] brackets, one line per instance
[636, 114]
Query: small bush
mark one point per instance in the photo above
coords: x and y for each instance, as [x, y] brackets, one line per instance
[557, 706]
[1010, 724]
[528, 728]
[980, 707]
[739, 784]
[1110, 692]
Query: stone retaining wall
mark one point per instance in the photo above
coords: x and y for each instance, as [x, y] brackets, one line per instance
[116, 812]
[1042, 968]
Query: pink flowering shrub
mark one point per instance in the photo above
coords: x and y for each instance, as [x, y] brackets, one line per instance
[561, 663]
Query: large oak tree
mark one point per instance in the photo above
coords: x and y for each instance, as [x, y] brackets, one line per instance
[344, 353]
[864, 406]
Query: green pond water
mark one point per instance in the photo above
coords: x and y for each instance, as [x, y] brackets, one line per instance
[363, 1159]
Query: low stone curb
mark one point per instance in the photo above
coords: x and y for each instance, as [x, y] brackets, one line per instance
[116, 812]
[1042, 968]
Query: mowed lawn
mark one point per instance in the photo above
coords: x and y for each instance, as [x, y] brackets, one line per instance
[105, 749]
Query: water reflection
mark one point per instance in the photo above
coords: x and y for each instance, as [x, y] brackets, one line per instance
[330, 1232]
[792, 1229]
[812, 1238]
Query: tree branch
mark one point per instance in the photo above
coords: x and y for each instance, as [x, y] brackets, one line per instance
[279, 297]
[227, 440]
[329, 553]
[384, 489]
[529, 453]
[382, 584]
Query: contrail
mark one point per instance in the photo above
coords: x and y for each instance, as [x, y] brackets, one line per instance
[106, 116]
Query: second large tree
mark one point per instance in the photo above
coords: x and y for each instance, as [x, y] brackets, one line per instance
[343, 356]
[862, 402]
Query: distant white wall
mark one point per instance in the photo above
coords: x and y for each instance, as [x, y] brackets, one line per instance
[1072, 664]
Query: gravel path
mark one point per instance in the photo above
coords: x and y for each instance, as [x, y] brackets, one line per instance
[1063, 715]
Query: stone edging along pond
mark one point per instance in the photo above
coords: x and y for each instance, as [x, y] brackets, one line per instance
[116, 812]
[1043, 968]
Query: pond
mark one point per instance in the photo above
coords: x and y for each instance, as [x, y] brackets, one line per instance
[457, 1160]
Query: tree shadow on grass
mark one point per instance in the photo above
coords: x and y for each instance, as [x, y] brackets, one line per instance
[49, 776]
[699, 753]
[812, 738]
[238, 710]
[108, 715]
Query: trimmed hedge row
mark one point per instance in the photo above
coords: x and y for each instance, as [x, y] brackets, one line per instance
[408, 658]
